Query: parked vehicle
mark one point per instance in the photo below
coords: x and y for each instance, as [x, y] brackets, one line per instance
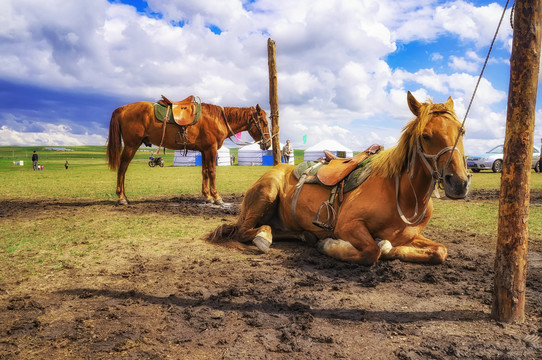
[492, 160]
[156, 162]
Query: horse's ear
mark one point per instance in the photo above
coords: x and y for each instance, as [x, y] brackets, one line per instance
[449, 103]
[258, 108]
[413, 104]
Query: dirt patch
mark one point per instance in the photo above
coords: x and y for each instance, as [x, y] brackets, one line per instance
[486, 194]
[202, 301]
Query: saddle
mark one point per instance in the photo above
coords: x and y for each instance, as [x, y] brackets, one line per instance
[182, 113]
[185, 112]
[338, 169]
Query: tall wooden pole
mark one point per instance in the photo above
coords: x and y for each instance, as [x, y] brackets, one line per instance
[273, 100]
[511, 254]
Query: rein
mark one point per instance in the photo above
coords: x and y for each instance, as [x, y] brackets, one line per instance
[437, 177]
[252, 121]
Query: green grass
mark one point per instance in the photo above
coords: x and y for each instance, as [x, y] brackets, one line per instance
[60, 240]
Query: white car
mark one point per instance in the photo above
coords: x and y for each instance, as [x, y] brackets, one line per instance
[492, 160]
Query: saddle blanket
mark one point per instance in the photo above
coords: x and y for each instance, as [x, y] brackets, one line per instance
[352, 181]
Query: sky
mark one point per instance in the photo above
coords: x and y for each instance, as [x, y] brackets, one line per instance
[344, 67]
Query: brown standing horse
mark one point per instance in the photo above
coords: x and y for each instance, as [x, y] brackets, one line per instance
[393, 204]
[135, 124]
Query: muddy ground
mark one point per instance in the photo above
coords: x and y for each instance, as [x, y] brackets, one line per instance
[203, 301]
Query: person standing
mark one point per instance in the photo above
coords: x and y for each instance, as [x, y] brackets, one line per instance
[287, 152]
[66, 164]
[35, 161]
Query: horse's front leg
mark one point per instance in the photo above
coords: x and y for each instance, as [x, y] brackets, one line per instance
[420, 250]
[205, 177]
[354, 243]
[211, 177]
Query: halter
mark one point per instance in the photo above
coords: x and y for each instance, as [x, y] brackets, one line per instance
[251, 121]
[437, 177]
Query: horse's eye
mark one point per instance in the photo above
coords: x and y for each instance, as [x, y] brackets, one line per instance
[426, 137]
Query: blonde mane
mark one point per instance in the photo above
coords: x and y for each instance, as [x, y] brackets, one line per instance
[392, 161]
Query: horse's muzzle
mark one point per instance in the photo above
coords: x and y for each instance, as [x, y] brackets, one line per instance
[264, 145]
[455, 186]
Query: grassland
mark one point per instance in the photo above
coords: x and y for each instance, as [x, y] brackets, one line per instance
[88, 181]
[83, 278]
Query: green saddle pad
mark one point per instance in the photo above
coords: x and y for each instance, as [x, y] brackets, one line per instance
[352, 181]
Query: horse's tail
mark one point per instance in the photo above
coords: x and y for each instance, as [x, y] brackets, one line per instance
[225, 235]
[114, 142]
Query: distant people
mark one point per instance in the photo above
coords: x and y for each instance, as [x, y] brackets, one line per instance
[35, 161]
[232, 159]
[66, 164]
[287, 152]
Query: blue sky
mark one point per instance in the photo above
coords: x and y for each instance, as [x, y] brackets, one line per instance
[344, 67]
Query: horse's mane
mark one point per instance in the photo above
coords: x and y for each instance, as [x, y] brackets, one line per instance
[234, 114]
[392, 161]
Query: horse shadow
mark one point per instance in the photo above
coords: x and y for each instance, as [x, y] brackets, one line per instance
[278, 307]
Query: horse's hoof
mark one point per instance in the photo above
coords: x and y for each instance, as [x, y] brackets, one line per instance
[123, 202]
[323, 244]
[385, 247]
[219, 202]
[262, 243]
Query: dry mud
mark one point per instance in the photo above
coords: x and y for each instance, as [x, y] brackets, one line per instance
[203, 301]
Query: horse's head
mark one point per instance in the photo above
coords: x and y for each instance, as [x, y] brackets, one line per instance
[259, 128]
[438, 140]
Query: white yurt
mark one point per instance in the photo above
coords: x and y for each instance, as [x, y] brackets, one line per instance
[223, 156]
[193, 157]
[253, 155]
[317, 151]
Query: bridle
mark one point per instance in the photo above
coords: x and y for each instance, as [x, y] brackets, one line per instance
[437, 176]
[252, 121]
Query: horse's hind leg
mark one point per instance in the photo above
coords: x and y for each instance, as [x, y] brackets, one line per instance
[127, 155]
[258, 209]
[354, 243]
[420, 250]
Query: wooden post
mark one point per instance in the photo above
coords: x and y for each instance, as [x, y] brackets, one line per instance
[273, 100]
[511, 254]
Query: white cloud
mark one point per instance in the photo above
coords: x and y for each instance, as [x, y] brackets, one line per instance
[331, 58]
[53, 135]
[436, 56]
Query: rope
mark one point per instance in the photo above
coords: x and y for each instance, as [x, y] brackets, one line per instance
[478, 82]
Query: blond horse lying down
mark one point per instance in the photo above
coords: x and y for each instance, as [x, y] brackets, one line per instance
[384, 216]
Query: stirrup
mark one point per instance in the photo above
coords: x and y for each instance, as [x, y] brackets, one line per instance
[331, 215]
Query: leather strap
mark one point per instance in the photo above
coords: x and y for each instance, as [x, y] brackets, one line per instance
[298, 187]
[166, 119]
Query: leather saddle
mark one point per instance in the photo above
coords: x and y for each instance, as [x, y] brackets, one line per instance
[337, 169]
[185, 112]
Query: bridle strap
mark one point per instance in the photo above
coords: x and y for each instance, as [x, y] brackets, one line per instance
[436, 178]
[252, 121]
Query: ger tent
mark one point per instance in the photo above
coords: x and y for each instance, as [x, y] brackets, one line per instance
[317, 151]
[253, 155]
[223, 156]
[193, 157]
